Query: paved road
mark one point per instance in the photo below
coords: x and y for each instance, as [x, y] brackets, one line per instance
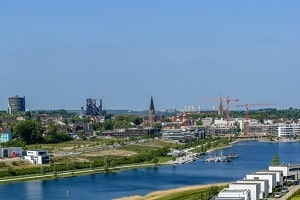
[292, 189]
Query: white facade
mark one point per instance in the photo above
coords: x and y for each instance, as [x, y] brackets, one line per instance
[264, 187]
[254, 188]
[220, 123]
[278, 176]
[207, 121]
[37, 156]
[228, 193]
[288, 170]
[288, 130]
[271, 177]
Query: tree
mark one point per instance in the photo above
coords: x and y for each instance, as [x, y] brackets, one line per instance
[53, 136]
[92, 165]
[10, 171]
[275, 160]
[157, 126]
[29, 130]
[70, 166]
[28, 114]
[43, 170]
[55, 170]
[155, 160]
[106, 164]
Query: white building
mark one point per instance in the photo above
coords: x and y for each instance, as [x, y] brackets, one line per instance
[288, 130]
[264, 186]
[228, 198]
[278, 176]
[37, 156]
[234, 194]
[289, 171]
[10, 152]
[271, 177]
[254, 188]
[207, 121]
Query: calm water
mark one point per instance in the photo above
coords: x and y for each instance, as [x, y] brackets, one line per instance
[253, 156]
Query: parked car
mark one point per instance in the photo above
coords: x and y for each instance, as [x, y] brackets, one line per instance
[277, 195]
[296, 183]
[285, 190]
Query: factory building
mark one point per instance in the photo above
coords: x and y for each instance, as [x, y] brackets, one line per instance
[16, 104]
[93, 110]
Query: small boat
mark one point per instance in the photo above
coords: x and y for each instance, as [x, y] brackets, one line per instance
[221, 158]
[232, 155]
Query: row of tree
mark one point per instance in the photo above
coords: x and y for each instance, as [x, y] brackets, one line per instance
[32, 132]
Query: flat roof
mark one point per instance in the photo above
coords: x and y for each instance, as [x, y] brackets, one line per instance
[229, 198]
[236, 183]
[229, 190]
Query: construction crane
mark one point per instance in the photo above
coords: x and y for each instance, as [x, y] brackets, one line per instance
[228, 100]
[247, 106]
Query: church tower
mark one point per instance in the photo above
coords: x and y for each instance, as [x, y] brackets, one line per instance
[151, 112]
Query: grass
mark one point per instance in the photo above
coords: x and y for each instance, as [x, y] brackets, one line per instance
[295, 196]
[187, 193]
[138, 148]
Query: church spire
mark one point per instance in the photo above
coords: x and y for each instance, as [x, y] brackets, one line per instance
[151, 104]
[151, 112]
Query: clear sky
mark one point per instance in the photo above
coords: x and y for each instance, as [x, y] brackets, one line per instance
[58, 53]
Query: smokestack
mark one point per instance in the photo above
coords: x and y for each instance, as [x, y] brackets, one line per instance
[100, 107]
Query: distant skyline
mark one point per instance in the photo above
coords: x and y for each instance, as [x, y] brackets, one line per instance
[59, 53]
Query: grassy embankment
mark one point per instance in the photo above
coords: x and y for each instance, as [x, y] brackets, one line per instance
[95, 156]
[295, 196]
[202, 192]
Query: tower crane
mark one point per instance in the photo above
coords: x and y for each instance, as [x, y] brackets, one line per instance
[247, 106]
[228, 100]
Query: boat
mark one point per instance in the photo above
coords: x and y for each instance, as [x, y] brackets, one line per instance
[214, 158]
[221, 158]
[232, 155]
[211, 157]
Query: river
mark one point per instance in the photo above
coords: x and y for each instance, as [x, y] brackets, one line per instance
[253, 156]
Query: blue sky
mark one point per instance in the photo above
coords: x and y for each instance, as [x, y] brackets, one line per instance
[58, 53]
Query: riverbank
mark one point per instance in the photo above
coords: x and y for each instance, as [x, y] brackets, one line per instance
[182, 191]
[189, 157]
[75, 173]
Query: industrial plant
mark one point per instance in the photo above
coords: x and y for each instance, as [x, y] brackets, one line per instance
[93, 110]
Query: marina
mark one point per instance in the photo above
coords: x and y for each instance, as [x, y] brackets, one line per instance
[220, 157]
